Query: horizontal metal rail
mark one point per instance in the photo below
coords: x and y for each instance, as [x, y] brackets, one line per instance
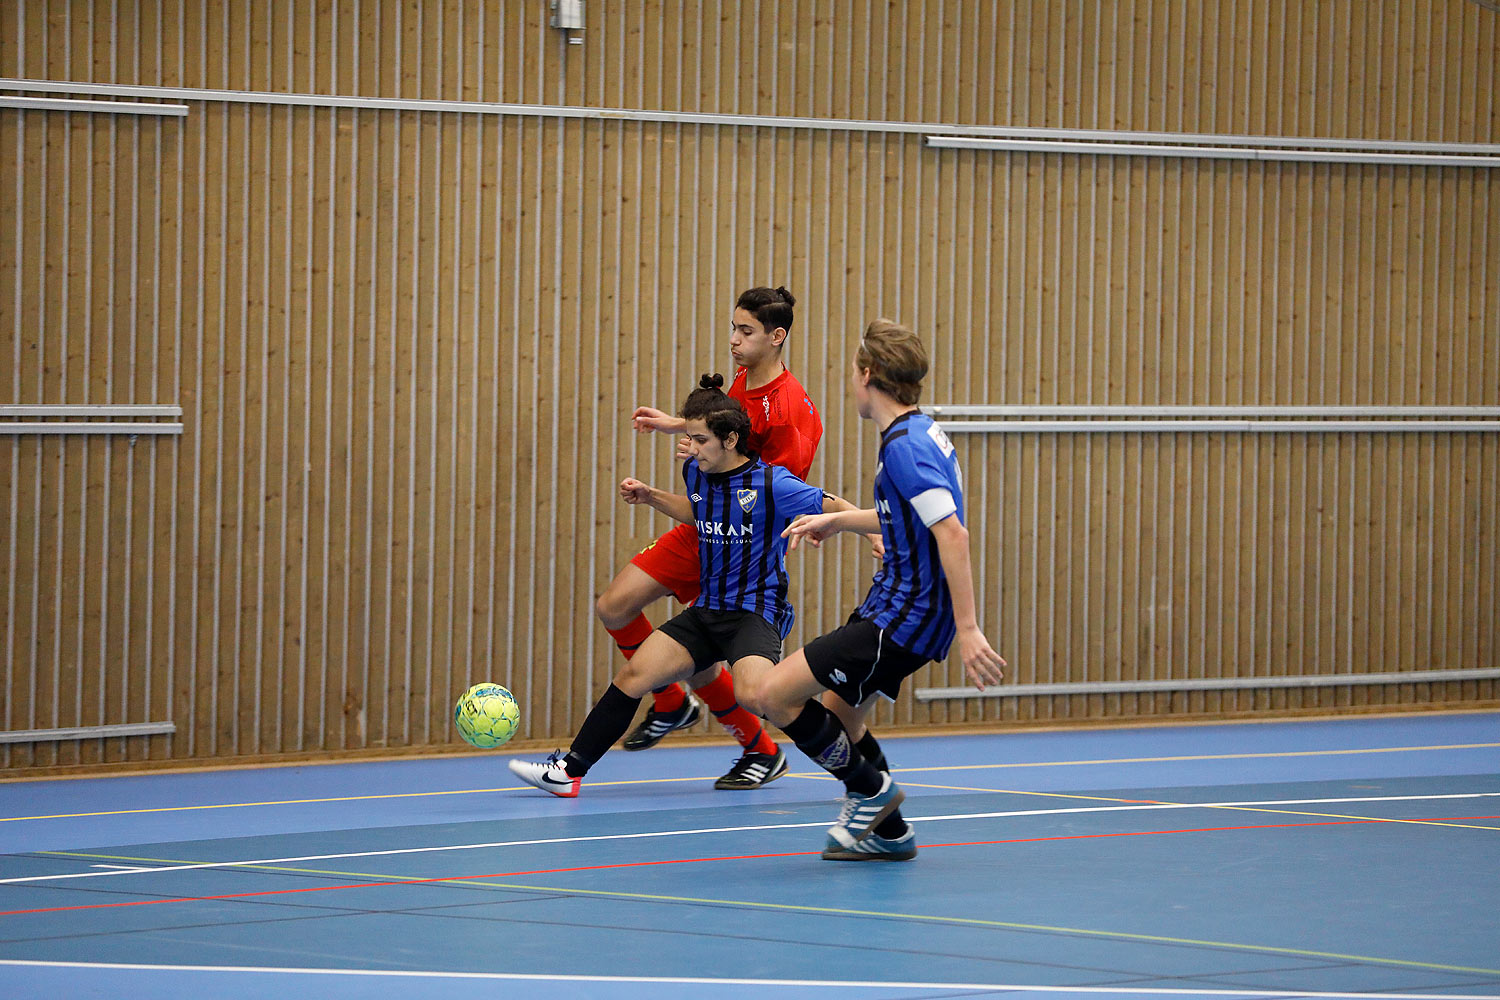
[749, 121]
[1220, 426]
[87, 410]
[94, 107]
[1206, 684]
[1210, 152]
[1122, 410]
[85, 427]
[89, 732]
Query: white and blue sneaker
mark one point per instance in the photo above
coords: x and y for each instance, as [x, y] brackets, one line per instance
[549, 775]
[860, 813]
[872, 848]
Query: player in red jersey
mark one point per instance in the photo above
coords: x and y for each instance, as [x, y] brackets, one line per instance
[784, 430]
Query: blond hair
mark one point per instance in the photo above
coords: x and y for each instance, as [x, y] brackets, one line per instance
[895, 358]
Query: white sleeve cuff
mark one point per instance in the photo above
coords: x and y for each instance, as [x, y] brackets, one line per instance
[934, 505]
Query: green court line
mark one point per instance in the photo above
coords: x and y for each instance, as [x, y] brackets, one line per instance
[837, 911]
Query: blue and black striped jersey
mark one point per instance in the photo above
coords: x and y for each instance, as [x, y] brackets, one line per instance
[741, 555]
[917, 484]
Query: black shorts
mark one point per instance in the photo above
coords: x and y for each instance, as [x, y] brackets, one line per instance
[710, 636]
[855, 661]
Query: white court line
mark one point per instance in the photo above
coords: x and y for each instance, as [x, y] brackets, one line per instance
[1137, 807]
[799, 983]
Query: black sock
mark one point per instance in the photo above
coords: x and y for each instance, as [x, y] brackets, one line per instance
[894, 825]
[870, 750]
[819, 734]
[605, 723]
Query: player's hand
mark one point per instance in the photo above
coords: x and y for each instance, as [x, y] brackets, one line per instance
[813, 528]
[684, 451]
[634, 491]
[981, 662]
[648, 418]
[877, 547]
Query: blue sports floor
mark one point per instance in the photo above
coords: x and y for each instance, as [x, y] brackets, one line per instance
[1352, 858]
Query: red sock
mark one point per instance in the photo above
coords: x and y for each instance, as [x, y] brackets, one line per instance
[630, 636]
[670, 698]
[629, 639]
[718, 694]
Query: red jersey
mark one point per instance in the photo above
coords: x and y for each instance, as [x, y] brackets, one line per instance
[784, 425]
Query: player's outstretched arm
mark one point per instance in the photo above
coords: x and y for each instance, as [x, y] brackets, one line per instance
[817, 528]
[674, 505]
[833, 503]
[648, 418]
[981, 662]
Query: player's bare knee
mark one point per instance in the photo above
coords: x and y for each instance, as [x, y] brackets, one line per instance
[615, 610]
[631, 679]
[757, 692]
[747, 691]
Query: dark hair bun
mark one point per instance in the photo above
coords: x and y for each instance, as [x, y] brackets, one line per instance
[714, 381]
[781, 290]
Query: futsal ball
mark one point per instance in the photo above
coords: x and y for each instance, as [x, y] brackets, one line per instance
[486, 716]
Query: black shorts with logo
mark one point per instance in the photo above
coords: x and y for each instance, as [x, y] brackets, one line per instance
[856, 660]
[710, 636]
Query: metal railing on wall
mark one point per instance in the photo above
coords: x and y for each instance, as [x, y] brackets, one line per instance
[1199, 147]
[94, 107]
[1207, 684]
[1009, 419]
[40, 419]
[89, 732]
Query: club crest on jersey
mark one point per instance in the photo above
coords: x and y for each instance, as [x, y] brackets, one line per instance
[747, 500]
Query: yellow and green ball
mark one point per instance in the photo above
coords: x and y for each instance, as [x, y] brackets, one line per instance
[486, 716]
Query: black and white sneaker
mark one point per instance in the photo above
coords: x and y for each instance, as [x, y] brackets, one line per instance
[549, 775]
[658, 724]
[753, 770]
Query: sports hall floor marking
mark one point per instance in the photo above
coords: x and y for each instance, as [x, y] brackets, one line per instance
[475, 882]
[789, 983]
[819, 775]
[1006, 814]
[387, 879]
[479, 882]
[154, 865]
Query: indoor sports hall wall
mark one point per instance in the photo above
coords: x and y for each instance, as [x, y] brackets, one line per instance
[404, 339]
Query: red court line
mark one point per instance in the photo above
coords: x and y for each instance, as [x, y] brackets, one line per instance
[691, 861]
[404, 881]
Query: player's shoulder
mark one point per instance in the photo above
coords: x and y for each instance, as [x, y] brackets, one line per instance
[781, 474]
[791, 387]
[795, 401]
[917, 436]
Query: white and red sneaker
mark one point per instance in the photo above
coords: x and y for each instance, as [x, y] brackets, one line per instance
[549, 775]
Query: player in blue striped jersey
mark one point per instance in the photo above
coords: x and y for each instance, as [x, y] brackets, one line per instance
[740, 507]
[920, 603]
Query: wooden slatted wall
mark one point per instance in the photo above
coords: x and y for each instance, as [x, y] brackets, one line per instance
[405, 342]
